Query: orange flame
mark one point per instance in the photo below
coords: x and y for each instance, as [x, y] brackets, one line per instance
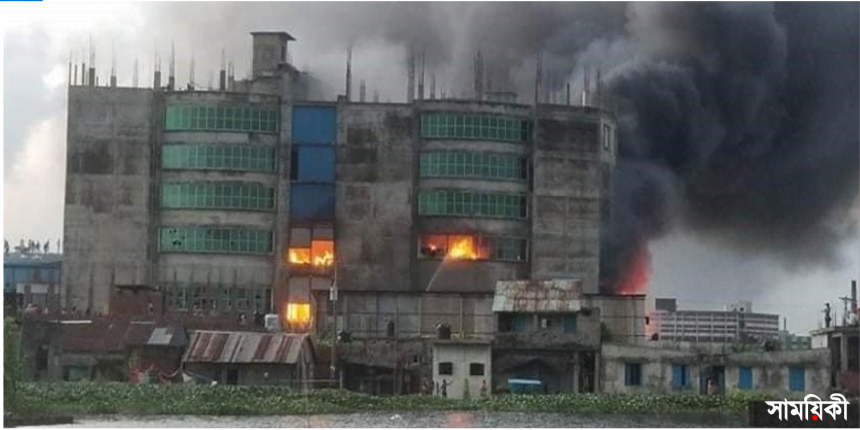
[320, 254]
[298, 313]
[326, 259]
[638, 273]
[300, 256]
[462, 248]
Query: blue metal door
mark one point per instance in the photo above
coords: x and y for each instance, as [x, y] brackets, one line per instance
[745, 378]
[520, 323]
[570, 324]
[679, 376]
[797, 379]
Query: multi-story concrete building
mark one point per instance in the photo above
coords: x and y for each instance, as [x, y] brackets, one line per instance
[734, 324]
[251, 198]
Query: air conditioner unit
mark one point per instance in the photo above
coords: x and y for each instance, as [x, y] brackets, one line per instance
[272, 322]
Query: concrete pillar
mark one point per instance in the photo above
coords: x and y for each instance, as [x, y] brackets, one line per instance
[843, 353]
[420, 315]
[577, 371]
[462, 317]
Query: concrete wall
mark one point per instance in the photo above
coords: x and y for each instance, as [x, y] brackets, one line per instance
[461, 356]
[367, 314]
[624, 316]
[255, 374]
[568, 161]
[107, 213]
[535, 337]
[656, 368]
[770, 369]
[374, 195]
[387, 353]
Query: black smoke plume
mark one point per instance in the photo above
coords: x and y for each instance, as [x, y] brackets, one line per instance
[738, 122]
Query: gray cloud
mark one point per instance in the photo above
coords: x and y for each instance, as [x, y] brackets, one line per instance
[24, 94]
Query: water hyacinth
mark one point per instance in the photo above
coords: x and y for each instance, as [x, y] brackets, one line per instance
[119, 398]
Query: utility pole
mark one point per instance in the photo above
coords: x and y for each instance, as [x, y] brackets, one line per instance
[333, 298]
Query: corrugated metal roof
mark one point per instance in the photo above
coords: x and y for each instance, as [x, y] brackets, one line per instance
[104, 335]
[553, 296]
[245, 347]
[168, 336]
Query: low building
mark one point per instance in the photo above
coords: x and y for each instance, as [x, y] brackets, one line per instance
[74, 350]
[385, 366]
[462, 368]
[843, 341]
[547, 332]
[646, 369]
[844, 345]
[160, 356]
[31, 278]
[250, 358]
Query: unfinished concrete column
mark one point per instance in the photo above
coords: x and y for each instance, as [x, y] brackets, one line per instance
[843, 353]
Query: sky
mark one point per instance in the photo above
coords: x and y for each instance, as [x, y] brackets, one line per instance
[699, 270]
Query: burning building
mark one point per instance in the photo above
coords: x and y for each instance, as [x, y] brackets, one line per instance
[257, 198]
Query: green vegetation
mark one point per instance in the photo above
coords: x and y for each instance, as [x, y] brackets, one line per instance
[11, 366]
[120, 398]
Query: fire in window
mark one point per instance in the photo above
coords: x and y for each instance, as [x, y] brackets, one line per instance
[311, 247]
[297, 314]
[456, 247]
[435, 246]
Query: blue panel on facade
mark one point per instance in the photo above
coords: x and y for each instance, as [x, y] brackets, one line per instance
[315, 164]
[745, 378]
[796, 378]
[679, 376]
[520, 323]
[570, 324]
[311, 202]
[314, 124]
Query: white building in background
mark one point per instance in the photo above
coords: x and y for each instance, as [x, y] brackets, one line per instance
[736, 322]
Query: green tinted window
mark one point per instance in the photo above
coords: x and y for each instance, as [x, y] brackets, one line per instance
[508, 249]
[219, 297]
[215, 240]
[496, 128]
[209, 157]
[472, 165]
[215, 195]
[468, 203]
[220, 118]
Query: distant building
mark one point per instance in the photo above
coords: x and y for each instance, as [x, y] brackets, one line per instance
[737, 323]
[31, 278]
[791, 341]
